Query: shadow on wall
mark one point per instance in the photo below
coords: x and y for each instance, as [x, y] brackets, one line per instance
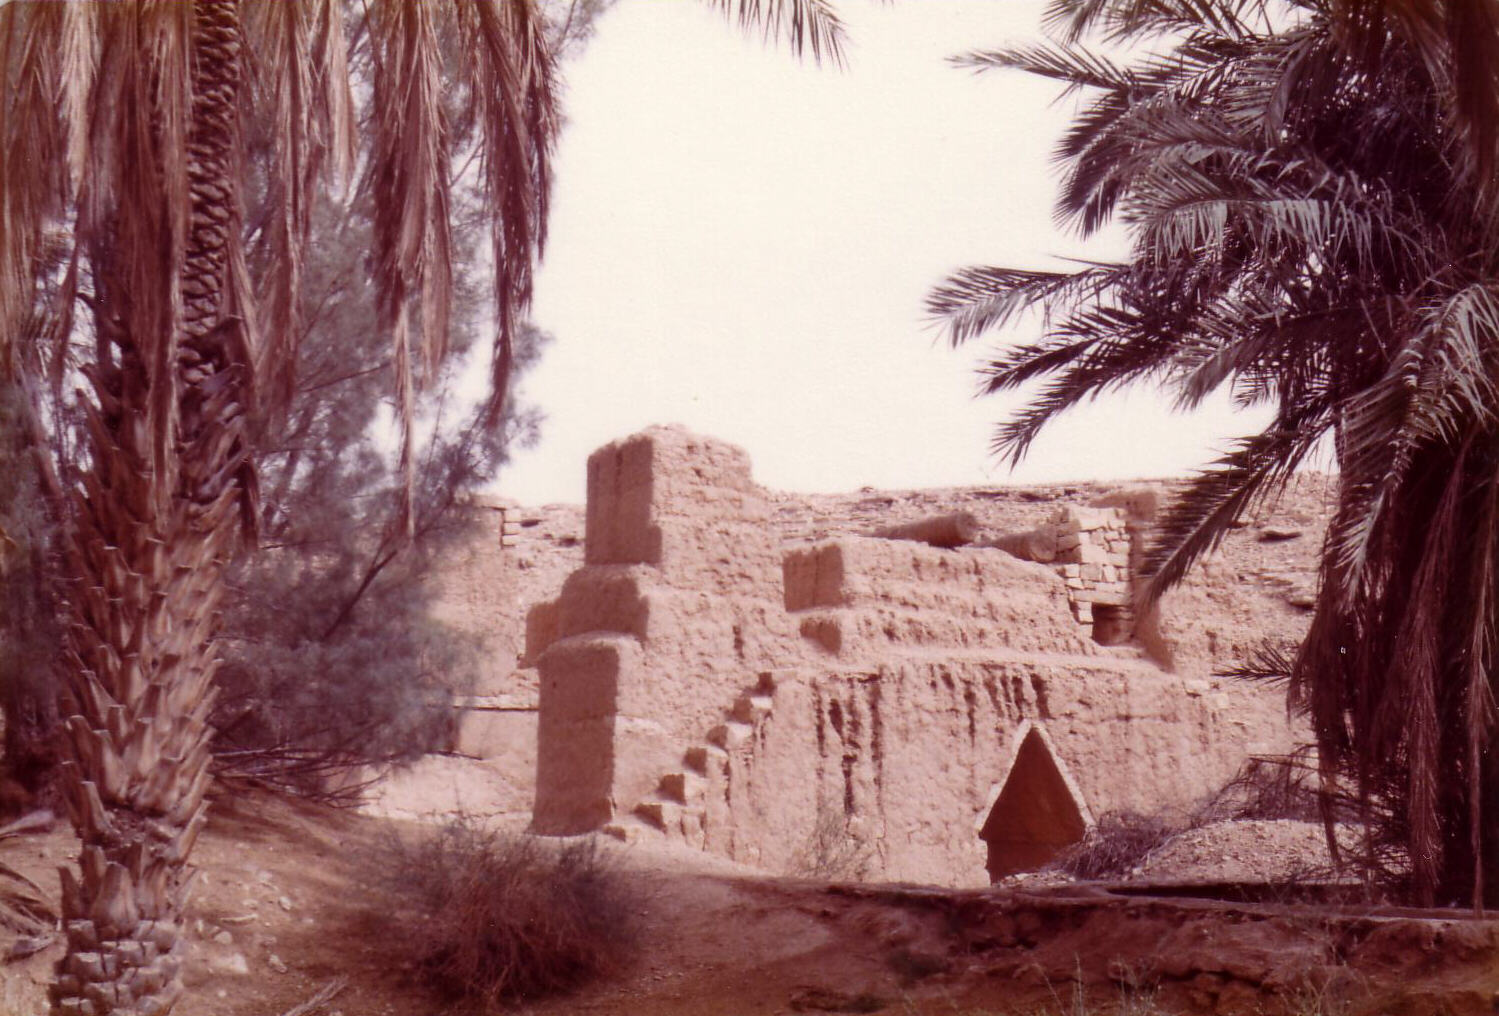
[1037, 810]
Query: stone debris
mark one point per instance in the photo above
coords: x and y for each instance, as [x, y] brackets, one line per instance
[233, 963]
[1259, 851]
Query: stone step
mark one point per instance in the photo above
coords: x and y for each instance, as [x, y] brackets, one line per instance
[700, 756]
[664, 815]
[628, 829]
[731, 734]
[752, 708]
[684, 788]
[679, 820]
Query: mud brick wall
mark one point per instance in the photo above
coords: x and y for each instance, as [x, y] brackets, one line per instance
[677, 606]
[954, 713]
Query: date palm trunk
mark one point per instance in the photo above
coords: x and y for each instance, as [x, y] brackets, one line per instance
[158, 517]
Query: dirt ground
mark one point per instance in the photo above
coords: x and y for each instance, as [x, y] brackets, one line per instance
[285, 906]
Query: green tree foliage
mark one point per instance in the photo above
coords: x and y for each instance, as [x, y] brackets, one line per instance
[331, 656]
[332, 659]
[301, 692]
[1309, 193]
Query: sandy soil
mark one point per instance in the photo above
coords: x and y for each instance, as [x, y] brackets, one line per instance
[285, 906]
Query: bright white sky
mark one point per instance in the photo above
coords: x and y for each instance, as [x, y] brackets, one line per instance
[742, 244]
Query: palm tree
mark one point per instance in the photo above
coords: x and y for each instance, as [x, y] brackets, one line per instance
[1309, 193]
[122, 138]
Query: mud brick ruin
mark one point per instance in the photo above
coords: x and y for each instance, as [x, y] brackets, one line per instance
[955, 715]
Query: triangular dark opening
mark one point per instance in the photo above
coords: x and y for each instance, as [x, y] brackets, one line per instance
[1036, 815]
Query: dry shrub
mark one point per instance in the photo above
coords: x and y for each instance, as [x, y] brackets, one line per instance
[1268, 787]
[491, 917]
[1114, 846]
[831, 850]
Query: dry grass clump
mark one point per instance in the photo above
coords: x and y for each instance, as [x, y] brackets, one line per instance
[489, 918]
[1265, 788]
[1268, 787]
[23, 904]
[1114, 846]
[830, 851]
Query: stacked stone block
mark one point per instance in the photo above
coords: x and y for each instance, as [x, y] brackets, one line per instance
[509, 525]
[1093, 556]
[502, 510]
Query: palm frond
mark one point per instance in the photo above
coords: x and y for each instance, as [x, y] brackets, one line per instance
[1236, 335]
[1410, 711]
[1132, 19]
[1270, 662]
[299, 52]
[1436, 388]
[1096, 350]
[1202, 514]
[511, 78]
[137, 193]
[804, 24]
[1478, 700]
[410, 180]
[976, 300]
[1117, 137]
[1071, 65]
[1457, 45]
[47, 67]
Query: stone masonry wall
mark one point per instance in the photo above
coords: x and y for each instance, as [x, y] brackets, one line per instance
[1093, 549]
[907, 757]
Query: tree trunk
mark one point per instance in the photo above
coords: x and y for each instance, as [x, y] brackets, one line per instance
[1487, 865]
[149, 554]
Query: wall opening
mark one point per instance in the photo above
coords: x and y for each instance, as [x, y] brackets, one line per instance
[1037, 813]
[1111, 624]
